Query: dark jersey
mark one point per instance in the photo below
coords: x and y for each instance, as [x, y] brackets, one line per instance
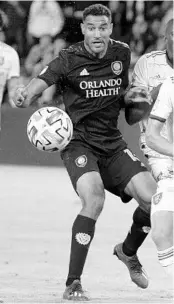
[92, 91]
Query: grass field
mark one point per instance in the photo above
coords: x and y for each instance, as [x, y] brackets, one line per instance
[38, 206]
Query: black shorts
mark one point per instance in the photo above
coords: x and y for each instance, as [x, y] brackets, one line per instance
[116, 171]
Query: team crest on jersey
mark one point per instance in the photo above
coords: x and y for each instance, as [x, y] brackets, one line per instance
[157, 198]
[117, 67]
[1, 60]
[81, 161]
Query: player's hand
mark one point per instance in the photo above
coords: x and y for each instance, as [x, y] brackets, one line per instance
[20, 97]
[137, 95]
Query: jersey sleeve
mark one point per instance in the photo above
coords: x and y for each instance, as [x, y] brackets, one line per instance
[163, 105]
[55, 70]
[140, 73]
[14, 71]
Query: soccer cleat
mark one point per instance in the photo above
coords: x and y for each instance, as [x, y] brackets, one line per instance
[74, 292]
[137, 273]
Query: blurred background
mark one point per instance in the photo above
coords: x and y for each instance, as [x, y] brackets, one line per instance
[38, 30]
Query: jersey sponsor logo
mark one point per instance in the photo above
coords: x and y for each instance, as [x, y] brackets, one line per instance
[157, 198]
[84, 72]
[101, 88]
[44, 70]
[83, 238]
[81, 161]
[1, 60]
[117, 67]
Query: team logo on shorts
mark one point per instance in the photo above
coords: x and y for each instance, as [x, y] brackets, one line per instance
[117, 67]
[157, 198]
[81, 161]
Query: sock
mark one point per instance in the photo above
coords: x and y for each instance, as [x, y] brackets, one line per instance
[82, 234]
[166, 259]
[138, 232]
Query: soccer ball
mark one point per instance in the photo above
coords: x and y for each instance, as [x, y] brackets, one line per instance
[50, 129]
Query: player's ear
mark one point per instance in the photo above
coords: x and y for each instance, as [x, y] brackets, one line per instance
[82, 28]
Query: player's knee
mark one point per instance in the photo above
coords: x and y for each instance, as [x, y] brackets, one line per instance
[140, 217]
[94, 203]
[97, 199]
[146, 207]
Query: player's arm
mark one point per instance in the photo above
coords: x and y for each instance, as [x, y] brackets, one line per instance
[154, 139]
[13, 80]
[12, 84]
[138, 104]
[158, 116]
[24, 96]
[135, 98]
[138, 100]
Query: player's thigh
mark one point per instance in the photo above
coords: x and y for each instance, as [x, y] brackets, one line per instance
[91, 190]
[82, 166]
[142, 187]
[125, 176]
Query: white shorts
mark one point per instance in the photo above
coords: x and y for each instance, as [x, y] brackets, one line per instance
[163, 200]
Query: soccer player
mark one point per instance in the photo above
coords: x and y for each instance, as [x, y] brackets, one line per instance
[9, 70]
[93, 75]
[159, 137]
[150, 71]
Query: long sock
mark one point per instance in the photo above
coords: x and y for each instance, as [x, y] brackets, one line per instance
[138, 232]
[82, 234]
[166, 259]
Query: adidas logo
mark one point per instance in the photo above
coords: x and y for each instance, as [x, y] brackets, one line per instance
[84, 72]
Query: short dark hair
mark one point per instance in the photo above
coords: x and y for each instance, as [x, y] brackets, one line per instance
[97, 10]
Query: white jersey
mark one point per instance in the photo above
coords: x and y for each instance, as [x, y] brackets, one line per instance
[163, 109]
[9, 66]
[150, 70]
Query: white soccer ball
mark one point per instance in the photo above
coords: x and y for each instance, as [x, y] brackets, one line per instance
[50, 129]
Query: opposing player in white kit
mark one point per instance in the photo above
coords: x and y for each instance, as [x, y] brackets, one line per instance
[9, 70]
[150, 72]
[159, 137]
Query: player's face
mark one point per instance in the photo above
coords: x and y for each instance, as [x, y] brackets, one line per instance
[96, 31]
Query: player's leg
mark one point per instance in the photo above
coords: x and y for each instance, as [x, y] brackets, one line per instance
[125, 169]
[162, 212]
[82, 167]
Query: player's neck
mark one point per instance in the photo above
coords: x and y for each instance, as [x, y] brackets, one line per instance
[169, 59]
[97, 55]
